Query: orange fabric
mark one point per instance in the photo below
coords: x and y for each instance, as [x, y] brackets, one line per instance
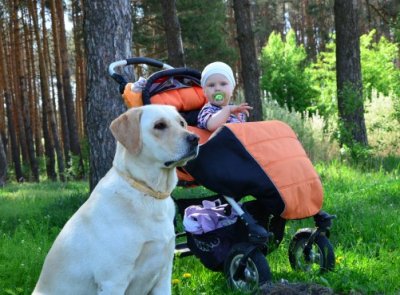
[184, 176]
[204, 135]
[275, 147]
[132, 99]
[184, 99]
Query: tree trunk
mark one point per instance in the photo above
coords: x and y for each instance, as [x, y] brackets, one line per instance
[68, 97]
[3, 164]
[309, 28]
[2, 92]
[48, 114]
[49, 106]
[173, 33]
[26, 110]
[108, 37]
[348, 74]
[33, 92]
[80, 66]
[59, 84]
[18, 82]
[10, 109]
[248, 57]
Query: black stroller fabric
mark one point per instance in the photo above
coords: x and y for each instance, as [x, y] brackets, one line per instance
[212, 248]
[264, 160]
[225, 166]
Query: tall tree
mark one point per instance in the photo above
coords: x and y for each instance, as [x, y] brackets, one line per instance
[18, 79]
[80, 66]
[206, 33]
[59, 83]
[348, 73]
[105, 26]
[67, 90]
[26, 110]
[248, 57]
[10, 109]
[3, 158]
[48, 118]
[172, 29]
[3, 163]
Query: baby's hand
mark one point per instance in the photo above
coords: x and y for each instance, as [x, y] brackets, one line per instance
[241, 108]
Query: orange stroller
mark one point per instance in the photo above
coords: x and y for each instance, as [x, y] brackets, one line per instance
[262, 163]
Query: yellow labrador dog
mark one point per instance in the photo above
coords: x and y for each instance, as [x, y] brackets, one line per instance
[121, 241]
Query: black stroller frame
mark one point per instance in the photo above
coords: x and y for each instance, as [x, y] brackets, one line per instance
[250, 239]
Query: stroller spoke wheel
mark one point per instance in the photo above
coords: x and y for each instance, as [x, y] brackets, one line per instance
[255, 273]
[320, 257]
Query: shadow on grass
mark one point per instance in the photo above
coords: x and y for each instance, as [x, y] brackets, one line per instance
[54, 211]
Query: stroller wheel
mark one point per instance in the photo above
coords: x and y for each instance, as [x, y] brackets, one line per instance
[248, 277]
[319, 257]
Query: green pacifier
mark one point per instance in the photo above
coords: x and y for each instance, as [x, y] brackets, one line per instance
[219, 96]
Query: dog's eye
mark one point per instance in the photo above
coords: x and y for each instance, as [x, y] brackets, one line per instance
[182, 124]
[160, 125]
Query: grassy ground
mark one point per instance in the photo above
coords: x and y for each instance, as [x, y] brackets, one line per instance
[365, 235]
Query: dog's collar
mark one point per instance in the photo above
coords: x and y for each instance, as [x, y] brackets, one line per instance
[143, 187]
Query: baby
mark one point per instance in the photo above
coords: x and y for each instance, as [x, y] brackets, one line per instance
[218, 84]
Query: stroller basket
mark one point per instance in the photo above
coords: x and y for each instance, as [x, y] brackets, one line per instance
[213, 247]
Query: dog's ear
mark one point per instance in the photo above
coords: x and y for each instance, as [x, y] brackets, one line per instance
[126, 129]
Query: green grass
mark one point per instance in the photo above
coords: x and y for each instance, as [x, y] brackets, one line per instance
[365, 234]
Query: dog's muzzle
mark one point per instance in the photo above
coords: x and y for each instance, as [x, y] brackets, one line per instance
[192, 151]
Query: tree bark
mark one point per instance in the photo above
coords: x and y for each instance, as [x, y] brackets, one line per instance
[108, 37]
[67, 90]
[173, 33]
[18, 82]
[348, 73]
[26, 110]
[10, 109]
[248, 57]
[48, 118]
[59, 83]
[80, 66]
[3, 164]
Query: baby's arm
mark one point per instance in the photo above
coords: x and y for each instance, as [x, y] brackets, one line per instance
[220, 118]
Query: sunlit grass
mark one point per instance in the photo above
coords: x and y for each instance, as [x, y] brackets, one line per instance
[365, 234]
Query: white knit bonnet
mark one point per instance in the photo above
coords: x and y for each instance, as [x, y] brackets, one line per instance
[217, 68]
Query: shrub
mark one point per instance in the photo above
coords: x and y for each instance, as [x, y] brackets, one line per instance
[283, 73]
[309, 130]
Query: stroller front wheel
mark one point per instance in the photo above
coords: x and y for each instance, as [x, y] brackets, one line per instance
[253, 274]
[320, 256]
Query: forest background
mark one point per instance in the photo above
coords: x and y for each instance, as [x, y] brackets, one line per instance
[46, 63]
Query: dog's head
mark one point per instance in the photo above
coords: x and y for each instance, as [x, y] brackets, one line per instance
[156, 132]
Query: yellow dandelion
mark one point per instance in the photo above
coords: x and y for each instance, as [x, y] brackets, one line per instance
[187, 275]
[339, 259]
[175, 281]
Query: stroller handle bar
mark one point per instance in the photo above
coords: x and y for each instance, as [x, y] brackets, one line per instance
[133, 61]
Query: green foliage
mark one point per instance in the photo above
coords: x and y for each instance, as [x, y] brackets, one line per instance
[203, 40]
[148, 33]
[378, 70]
[283, 73]
[308, 128]
[205, 34]
[323, 78]
[379, 73]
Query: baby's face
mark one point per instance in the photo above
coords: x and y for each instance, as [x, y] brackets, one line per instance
[216, 84]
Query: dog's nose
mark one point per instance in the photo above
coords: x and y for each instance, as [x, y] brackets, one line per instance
[193, 139]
